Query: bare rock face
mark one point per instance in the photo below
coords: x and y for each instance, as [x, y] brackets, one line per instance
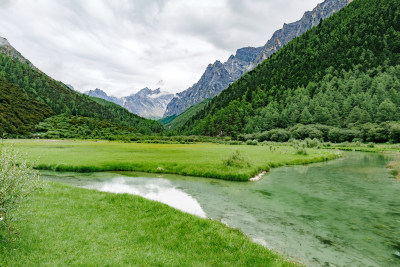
[146, 103]
[7, 49]
[216, 78]
[219, 76]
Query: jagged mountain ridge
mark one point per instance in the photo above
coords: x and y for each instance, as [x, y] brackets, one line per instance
[146, 103]
[218, 76]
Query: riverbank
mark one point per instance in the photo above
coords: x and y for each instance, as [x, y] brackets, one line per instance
[229, 162]
[68, 226]
[395, 166]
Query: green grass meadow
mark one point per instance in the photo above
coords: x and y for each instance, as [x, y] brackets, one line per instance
[203, 159]
[68, 226]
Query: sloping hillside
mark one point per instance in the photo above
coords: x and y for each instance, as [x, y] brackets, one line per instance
[19, 112]
[64, 100]
[312, 79]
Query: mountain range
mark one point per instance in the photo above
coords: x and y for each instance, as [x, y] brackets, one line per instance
[146, 103]
[218, 76]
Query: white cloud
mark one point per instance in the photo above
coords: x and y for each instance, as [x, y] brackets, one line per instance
[122, 46]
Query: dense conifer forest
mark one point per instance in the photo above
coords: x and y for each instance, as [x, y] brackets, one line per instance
[19, 113]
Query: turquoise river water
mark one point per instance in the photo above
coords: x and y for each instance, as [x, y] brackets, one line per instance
[344, 212]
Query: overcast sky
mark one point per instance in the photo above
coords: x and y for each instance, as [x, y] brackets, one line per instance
[121, 46]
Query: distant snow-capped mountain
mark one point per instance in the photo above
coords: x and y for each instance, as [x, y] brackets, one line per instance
[146, 103]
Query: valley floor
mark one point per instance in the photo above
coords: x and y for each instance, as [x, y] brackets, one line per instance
[230, 162]
[64, 225]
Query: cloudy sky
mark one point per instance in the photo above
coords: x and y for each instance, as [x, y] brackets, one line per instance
[121, 46]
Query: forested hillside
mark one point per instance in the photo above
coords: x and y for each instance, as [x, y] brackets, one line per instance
[61, 99]
[19, 113]
[68, 126]
[341, 73]
[174, 122]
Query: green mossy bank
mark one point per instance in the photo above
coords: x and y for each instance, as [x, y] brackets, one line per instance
[203, 160]
[67, 226]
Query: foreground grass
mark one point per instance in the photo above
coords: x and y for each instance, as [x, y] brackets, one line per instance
[67, 226]
[205, 160]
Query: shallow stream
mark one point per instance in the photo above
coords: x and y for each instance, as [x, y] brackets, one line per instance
[344, 212]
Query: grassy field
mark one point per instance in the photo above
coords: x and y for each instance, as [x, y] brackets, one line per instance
[206, 160]
[67, 226]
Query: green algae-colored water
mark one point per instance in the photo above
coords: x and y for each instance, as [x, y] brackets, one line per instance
[344, 212]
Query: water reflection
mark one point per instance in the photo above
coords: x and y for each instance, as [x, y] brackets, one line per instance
[155, 189]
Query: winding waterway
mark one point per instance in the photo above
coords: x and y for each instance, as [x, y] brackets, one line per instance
[344, 212]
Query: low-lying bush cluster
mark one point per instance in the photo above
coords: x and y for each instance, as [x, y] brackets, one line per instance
[369, 132]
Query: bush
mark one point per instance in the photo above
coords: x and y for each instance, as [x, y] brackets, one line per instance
[236, 160]
[279, 135]
[300, 147]
[252, 142]
[17, 181]
[313, 143]
[338, 135]
[302, 132]
[394, 134]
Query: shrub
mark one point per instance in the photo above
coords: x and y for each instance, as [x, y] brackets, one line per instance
[279, 135]
[236, 160]
[302, 132]
[338, 135]
[252, 142]
[300, 147]
[312, 143]
[394, 133]
[17, 181]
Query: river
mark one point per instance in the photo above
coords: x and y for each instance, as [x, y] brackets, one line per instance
[344, 212]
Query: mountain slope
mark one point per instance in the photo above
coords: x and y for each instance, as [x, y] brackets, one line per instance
[290, 31]
[362, 38]
[62, 99]
[19, 112]
[215, 79]
[146, 103]
[178, 121]
[219, 76]
[103, 95]
[7, 49]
